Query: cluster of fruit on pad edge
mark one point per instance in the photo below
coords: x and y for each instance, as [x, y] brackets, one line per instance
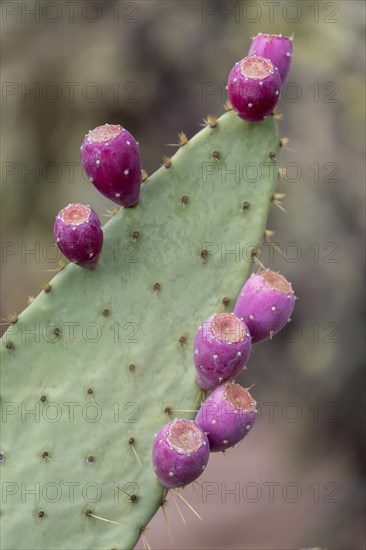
[111, 159]
[223, 343]
[222, 347]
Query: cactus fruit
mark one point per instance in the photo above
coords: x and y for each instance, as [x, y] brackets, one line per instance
[222, 346]
[276, 48]
[111, 159]
[94, 364]
[254, 88]
[226, 416]
[265, 304]
[180, 453]
[79, 235]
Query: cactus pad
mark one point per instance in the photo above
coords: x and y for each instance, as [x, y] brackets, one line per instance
[93, 364]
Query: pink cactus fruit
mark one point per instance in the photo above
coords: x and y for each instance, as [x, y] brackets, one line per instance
[227, 416]
[111, 159]
[222, 346]
[254, 88]
[265, 304]
[276, 48]
[79, 235]
[180, 453]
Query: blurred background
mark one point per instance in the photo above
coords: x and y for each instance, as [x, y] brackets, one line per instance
[159, 67]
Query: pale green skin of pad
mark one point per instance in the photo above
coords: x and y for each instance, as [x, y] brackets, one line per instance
[168, 251]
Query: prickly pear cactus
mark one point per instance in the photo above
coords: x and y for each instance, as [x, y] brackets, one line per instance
[92, 366]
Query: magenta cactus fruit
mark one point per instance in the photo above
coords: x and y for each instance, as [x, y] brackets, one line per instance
[276, 48]
[227, 416]
[265, 304]
[180, 453]
[222, 346]
[79, 235]
[111, 159]
[254, 88]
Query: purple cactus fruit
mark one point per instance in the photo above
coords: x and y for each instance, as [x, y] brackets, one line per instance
[78, 234]
[222, 346]
[180, 453]
[111, 159]
[265, 304]
[276, 48]
[226, 416]
[254, 88]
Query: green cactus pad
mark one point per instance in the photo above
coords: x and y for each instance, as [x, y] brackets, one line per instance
[99, 356]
